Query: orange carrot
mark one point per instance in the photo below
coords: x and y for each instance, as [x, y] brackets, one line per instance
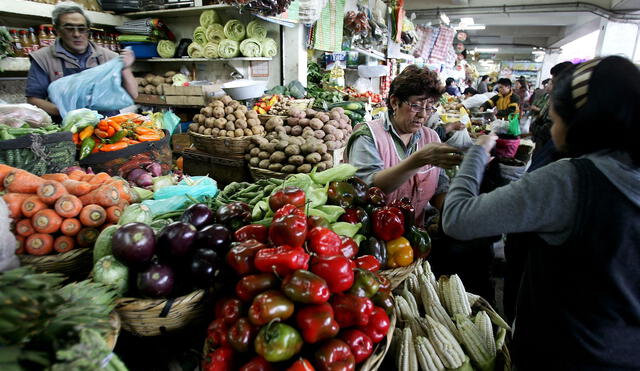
[22, 182]
[123, 188]
[46, 221]
[113, 214]
[68, 206]
[76, 187]
[20, 245]
[87, 177]
[123, 204]
[92, 215]
[87, 237]
[39, 244]
[63, 244]
[107, 195]
[70, 227]
[58, 177]
[25, 228]
[100, 178]
[4, 171]
[32, 205]
[14, 202]
[76, 174]
[50, 191]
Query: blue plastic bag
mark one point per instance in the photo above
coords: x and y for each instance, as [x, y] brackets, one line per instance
[98, 88]
[172, 198]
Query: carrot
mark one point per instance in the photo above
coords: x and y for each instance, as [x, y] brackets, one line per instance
[87, 237]
[123, 204]
[4, 171]
[107, 195]
[58, 177]
[22, 182]
[115, 146]
[144, 131]
[68, 206]
[113, 214]
[123, 188]
[100, 178]
[32, 205]
[70, 227]
[76, 187]
[50, 191]
[63, 244]
[46, 221]
[20, 245]
[148, 137]
[76, 174]
[25, 228]
[14, 202]
[87, 177]
[39, 244]
[92, 215]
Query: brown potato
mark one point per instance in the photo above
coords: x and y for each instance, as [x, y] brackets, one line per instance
[288, 169]
[230, 117]
[207, 131]
[241, 123]
[248, 132]
[218, 112]
[251, 114]
[306, 168]
[238, 133]
[228, 110]
[209, 122]
[239, 115]
[222, 133]
[215, 132]
[264, 164]
[254, 161]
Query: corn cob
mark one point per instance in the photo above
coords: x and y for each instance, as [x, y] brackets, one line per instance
[427, 356]
[497, 320]
[416, 328]
[406, 357]
[413, 358]
[419, 270]
[445, 344]
[483, 323]
[473, 298]
[414, 285]
[442, 289]
[427, 292]
[405, 293]
[396, 340]
[437, 311]
[472, 340]
[403, 308]
[429, 274]
[457, 297]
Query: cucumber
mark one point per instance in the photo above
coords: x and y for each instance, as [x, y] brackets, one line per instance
[354, 116]
[351, 106]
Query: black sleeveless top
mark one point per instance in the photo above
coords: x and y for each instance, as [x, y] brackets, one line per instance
[579, 303]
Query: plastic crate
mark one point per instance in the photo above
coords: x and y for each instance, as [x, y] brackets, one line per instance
[142, 50]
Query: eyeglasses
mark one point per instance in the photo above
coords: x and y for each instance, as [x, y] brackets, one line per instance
[74, 29]
[419, 108]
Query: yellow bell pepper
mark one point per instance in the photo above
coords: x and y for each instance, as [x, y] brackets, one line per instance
[273, 100]
[262, 111]
[399, 253]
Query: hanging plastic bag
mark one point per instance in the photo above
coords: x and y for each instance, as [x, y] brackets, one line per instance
[169, 121]
[460, 139]
[525, 123]
[514, 124]
[16, 115]
[98, 88]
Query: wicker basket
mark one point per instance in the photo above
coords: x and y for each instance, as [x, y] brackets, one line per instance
[74, 263]
[152, 317]
[375, 359]
[264, 118]
[258, 173]
[112, 337]
[221, 146]
[301, 103]
[398, 275]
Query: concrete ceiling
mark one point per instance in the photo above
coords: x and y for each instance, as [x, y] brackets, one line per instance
[516, 26]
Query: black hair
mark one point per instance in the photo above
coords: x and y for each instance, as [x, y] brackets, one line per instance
[607, 104]
[449, 81]
[484, 77]
[504, 81]
[560, 67]
[471, 91]
[545, 81]
[415, 81]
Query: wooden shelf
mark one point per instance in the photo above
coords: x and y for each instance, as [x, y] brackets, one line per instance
[39, 10]
[176, 12]
[369, 53]
[15, 64]
[204, 59]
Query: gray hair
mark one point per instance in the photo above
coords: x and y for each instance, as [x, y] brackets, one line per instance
[67, 7]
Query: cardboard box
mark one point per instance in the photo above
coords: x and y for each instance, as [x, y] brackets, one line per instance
[150, 99]
[176, 99]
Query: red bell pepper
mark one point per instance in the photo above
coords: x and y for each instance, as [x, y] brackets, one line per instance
[256, 232]
[383, 300]
[378, 325]
[376, 197]
[228, 309]
[408, 211]
[284, 260]
[336, 270]
[351, 310]
[241, 256]
[360, 344]
[288, 227]
[241, 335]
[268, 306]
[368, 262]
[316, 323]
[301, 365]
[349, 247]
[221, 359]
[257, 363]
[324, 242]
[234, 214]
[305, 287]
[217, 333]
[335, 355]
[317, 221]
[385, 284]
[250, 286]
[288, 195]
[388, 223]
[356, 215]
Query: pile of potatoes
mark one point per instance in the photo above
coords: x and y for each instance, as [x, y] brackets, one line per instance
[225, 117]
[154, 84]
[331, 128]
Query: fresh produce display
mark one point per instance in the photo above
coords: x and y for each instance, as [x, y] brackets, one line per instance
[154, 84]
[225, 117]
[56, 213]
[443, 326]
[278, 105]
[7, 132]
[247, 192]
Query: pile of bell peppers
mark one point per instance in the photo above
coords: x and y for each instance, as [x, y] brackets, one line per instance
[264, 104]
[116, 133]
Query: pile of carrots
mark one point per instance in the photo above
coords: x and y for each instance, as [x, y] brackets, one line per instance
[118, 132]
[58, 212]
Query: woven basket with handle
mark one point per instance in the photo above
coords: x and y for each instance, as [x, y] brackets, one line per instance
[398, 275]
[221, 146]
[258, 173]
[73, 263]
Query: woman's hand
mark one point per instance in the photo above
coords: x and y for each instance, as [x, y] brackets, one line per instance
[128, 57]
[437, 154]
[487, 142]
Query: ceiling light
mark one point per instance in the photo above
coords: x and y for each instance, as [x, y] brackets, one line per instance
[463, 26]
[486, 50]
[466, 20]
[444, 18]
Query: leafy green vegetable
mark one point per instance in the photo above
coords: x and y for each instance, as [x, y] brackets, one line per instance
[338, 173]
[332, 212]
[296, 89]
[359, 238]
[346, 229]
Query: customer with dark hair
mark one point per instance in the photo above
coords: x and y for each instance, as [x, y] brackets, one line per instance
[579, 303]
[451, 87]
[483, 84]
[506, 102]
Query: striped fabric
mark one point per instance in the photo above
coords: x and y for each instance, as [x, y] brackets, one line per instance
[580, 82]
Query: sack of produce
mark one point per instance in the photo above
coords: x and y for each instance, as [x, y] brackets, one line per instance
[39, 153]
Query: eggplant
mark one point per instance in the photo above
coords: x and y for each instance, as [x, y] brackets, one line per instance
[156, 281]
[205, 268]
[198, 215]
[216, 237]
[134, 244]
[176, 240]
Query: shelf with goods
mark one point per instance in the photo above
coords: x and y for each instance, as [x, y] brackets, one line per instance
[169, 60]
[15, 64]
[33, 10]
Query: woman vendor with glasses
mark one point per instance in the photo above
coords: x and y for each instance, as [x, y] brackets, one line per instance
[71, 53]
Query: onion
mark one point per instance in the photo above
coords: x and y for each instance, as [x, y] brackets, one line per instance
[134, 174]
[155, 169]
[144, 180]
[72, 168]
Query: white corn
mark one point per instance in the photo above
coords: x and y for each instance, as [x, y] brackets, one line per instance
[416, 328]
[437, 312]
[414, 285]
[403, 308]
[427, 356]
[483, 323]
[426, 267]
[419, 270]
[404, 355]
[410, 299]
[473, 298]
[443, 292]
[413, 359]
[472, 340]
[458, 301]
[428, 292]
[445, 344]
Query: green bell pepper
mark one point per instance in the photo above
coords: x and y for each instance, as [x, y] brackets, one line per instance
[420, 242]
[365, 283]
[278, 342]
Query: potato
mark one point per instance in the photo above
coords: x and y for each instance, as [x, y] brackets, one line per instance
[339, 134]
[268, 147]
[260, 140]
[287, 129]
[313, 158]
[234, 103]
[228, 110]
[207, 111]
[319, 134]
[139, 80]
[307, 135]
[219, 123]
[218, 112]
[168, 80]
[304, 122]
[288, 169]
[281, 145]
[230, 117]
[333, 145]
[315, 124]
[296, 130]
[226, 99]
[258, 129]
[292, 121]
[243, 109]
[254, 161]
[321, 166]
[329, 138]
[247, 157]
[271, 136]
[149, 77]
[296, 160]
[239, 115]
[280, 129]
[238, 133]
[275, 167]
[157, 81]
[160, 89]
[229, 126]
[323, 117]
[215, 132]
[306, 148]
[253, 122]
[241, 123]
[340, 110]
[310, 112]
[292, 149]
[329, 129]
[251, 114]
[149, 89]
[334, 115]
[217, 104]
[169, 73]
[306, 168]
[222, 133]
[321, 148]
[201, 129]
[207, 131]
[231, 134]
[209, 122]
[254, 151]
[248, 132]
[294, 112]
[193, 126]
[277, 157]
[264, 164]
